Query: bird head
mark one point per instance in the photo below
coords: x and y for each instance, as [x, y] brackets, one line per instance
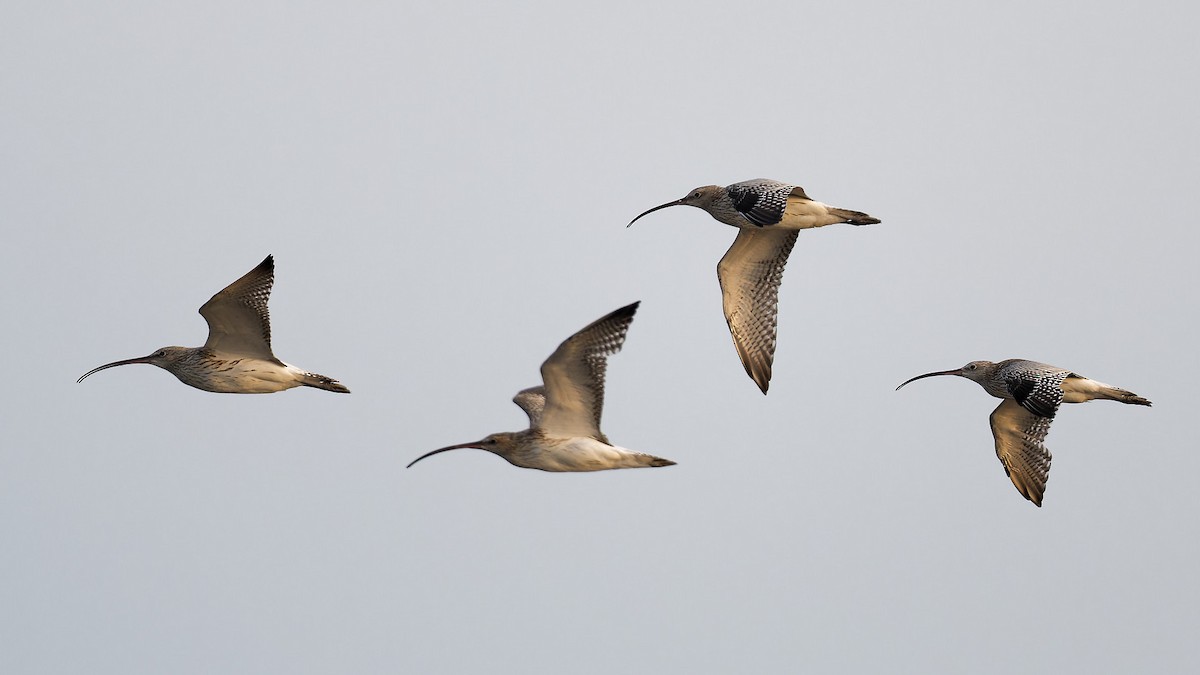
[163, 358]
[499, 443]
[976, 371]
[701, 197]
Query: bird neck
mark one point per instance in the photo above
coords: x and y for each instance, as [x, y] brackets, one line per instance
[722, 209]
[520, 448]
[993, 382]
[194, 365]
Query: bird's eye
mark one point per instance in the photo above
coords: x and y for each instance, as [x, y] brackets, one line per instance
[696, 195]
[971, 366]
[161, 352]
[491, 441]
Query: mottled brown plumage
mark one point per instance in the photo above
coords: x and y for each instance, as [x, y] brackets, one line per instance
[768, 214]
[1032, 393]
[564, 413]
[237, 357]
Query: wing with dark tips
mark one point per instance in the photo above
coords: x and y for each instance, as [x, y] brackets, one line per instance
[761, 201]
[238, 322]
[1019, 434]
[574, 376]
[750, 274]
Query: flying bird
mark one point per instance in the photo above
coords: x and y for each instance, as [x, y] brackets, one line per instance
[769, 216]
[1032, 392]
[564, 413]
[237, 358]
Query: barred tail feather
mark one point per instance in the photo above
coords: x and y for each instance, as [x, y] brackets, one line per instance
[323, 382]
[1124, 396]
[853, 217]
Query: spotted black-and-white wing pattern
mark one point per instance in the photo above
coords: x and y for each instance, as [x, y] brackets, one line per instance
[1036, 386]
[574, 376]
[761, 201]
[1019, 434]
[750, 274]
[238, 321]
[533, 402]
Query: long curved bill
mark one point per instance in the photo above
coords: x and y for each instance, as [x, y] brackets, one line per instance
[677, 202]
[114, 364]
[940, 372]
[475, 445]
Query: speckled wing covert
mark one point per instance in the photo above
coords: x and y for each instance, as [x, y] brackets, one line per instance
[574, 376]
[1036, 386]
[750, 274]
[533, 402]
[238, 321]
[1019, 434]
[761, 201]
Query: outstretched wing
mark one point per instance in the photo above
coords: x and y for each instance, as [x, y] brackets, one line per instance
[238, 322]
[574, 376]
[1019, 434]
[750, 274]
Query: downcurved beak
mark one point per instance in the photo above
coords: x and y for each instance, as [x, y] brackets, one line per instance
[677, 202]
[475, 445]
[114, 364]
[956, 371]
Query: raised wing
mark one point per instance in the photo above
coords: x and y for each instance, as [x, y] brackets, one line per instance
[761, 201]
[1019, 434]
[750, 274]
[574, 376]
[238, 322]
[533, 402]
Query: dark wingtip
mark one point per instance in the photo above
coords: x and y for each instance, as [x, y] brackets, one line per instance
[1036, 497]
[622, 313]
[762, 374]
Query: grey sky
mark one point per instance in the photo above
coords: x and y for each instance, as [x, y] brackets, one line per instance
[445, 188]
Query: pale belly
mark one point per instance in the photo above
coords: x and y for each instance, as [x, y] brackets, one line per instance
[242, 376]
[582, 454]
[803, 214]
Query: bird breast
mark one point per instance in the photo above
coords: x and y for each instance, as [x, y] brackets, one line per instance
[240, 375]
[576, 454]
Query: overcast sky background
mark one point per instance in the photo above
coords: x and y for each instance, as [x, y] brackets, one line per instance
[445, 188]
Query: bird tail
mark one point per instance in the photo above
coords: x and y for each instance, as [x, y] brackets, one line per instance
[322, 382]
[1118, 394]
[634, 460]
[853, 217]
